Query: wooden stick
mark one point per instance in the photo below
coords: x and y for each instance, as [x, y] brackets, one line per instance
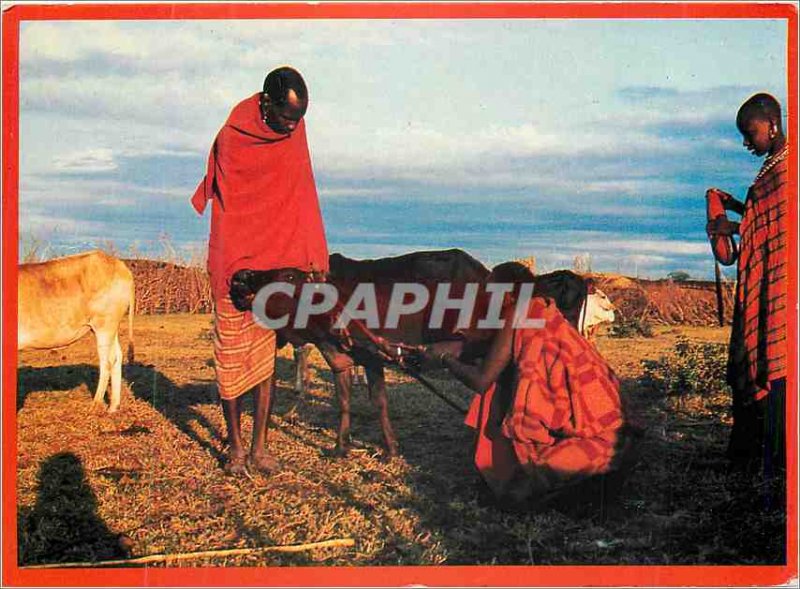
[720, 301]
[192, 555]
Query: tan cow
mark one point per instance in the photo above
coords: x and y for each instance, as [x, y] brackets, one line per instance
[61, 300]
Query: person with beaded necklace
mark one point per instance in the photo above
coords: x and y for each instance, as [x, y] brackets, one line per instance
[757, 354]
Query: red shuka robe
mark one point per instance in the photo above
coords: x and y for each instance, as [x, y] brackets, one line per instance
[265, 212]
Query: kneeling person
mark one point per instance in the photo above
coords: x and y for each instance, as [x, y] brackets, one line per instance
[548, 412]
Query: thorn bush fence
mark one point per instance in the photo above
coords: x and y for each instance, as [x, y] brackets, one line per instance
[164, 287]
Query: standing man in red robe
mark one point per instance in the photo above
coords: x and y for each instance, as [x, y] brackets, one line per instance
[758, 354]
[265, 215]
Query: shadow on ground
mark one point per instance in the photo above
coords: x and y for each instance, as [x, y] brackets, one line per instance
[63, 525]
[677, 506]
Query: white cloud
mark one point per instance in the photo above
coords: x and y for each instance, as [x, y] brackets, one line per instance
[484, 109]
[147, 86]
[353, 191]
[657, 246]
[43, 193]
[70, 41]
[50, 227]
[171, 101]
[86, 161]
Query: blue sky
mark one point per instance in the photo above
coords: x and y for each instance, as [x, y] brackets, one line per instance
[507, 138]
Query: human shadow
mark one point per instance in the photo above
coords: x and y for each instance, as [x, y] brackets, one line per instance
[63, 525]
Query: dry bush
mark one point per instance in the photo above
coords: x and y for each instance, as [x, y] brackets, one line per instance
[164, 287]
[664, 302]
[582, 263]
[34, 248]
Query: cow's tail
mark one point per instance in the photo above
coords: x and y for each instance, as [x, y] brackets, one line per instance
[130, 323]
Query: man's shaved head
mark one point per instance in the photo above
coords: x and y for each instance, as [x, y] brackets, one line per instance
[284, 100]
[285, 84]
[759, 122]
[760, 106]
[512, 272]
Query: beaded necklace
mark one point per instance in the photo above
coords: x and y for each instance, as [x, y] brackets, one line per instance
[771, 162]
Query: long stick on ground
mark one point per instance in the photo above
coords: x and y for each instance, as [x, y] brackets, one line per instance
[193, 555]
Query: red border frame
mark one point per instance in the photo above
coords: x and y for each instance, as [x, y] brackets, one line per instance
[368, 576]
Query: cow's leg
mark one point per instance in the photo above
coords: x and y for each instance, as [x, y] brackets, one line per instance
[340, 364]
[104, 350]
[115, 361]
[306, 374]
[377, 392]
[343, 381]
[232, 410]
[262, 408]
[301, 379]
[359, 375]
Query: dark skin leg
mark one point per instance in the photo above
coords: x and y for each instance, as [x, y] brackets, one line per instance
[232, 410]
[260, 460]
[340, 364]
[377, 392]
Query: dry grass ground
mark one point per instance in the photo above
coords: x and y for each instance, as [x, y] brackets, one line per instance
[152, 471]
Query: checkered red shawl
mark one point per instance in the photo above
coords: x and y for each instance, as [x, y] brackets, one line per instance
[564, 387]
[565, 414]
[758, 338]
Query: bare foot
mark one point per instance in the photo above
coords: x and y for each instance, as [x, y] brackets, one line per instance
[387, 457]
[337, 452]
[236, 465]
[264, 464]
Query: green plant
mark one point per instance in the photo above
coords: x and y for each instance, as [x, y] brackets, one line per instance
[631, 327]
[679, 276]
[690, 369]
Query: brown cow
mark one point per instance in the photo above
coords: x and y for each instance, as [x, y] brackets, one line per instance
[429, 268]
[61, 300]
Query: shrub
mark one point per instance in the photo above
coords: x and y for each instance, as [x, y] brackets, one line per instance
[679, 276]
[582, 263]
[33, 248]
[631, 327]
[690, 369]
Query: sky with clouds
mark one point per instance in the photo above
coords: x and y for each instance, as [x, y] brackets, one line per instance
[507, 138]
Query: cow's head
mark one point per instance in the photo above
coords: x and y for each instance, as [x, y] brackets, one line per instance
[245, 285]
[597, 310]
